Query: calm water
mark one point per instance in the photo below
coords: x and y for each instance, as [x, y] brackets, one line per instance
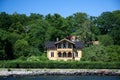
[62, 78]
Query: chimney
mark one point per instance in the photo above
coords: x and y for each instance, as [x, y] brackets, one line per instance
[73, 38]
[57, 39]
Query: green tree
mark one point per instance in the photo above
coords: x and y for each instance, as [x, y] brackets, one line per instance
[105, 22]
[84, 33]
[108, 23]
[34, 16]
[95, 53]
[3, 37]
[76, 20]
[105, 40]
[6, 51]
[37, 34]
[21, 48]
[21, 18]
[17, 28]
[59, 25]
[115, 35]
[113, 52]
[116, 29]
[5, 20]
[94, 28]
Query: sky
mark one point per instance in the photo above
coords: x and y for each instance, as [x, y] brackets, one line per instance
[63, 7]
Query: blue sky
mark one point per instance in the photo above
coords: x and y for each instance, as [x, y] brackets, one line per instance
[63, 7]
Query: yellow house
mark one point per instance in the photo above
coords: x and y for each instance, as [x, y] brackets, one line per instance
[64, 49]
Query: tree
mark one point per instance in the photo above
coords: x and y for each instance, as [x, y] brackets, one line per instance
[115, 35]
[95, 53]
[108, 23]
[94, 28]
[37, 34]
[34, 16]
[21, 18]
[105, 40]
[84, 33]
[113, 52]
[59, 25]
[76, 20]
[22, 35]
[115, 31]
[3, 37]
[105, 22]
[17, 28]
[6, 51]
[5, 21]
[21, 48]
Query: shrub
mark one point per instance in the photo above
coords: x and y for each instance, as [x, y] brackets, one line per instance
[33, 58]
[61, 65]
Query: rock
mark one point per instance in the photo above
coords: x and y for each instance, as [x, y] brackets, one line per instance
[24, 72]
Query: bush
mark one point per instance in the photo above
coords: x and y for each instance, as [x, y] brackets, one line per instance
[94, 53]
[106, 40]
[22, 58]
[61, 65]
[43, 57]
[33, 58]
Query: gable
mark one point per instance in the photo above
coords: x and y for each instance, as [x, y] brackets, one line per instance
[52, 45]
[64, 40]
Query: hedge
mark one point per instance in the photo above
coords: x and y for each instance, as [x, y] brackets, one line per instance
[60, 64]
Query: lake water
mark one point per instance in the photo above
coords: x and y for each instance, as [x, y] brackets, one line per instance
[62, 78]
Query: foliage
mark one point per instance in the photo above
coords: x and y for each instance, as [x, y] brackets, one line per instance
[113, 52]
[37, 34]
[105, 22]
[5, 20]
[115, 35]
[60, 27]
[24, 36]
[94, 53]
[108, 23]
[33, 58]
[84, 33]
[60, 65]
[101, 53]
[37, 58]
[21, 47]
[105, 40]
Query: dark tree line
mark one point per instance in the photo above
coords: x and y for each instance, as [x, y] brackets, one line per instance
[22, 35]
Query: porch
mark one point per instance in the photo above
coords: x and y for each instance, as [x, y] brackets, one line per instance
[65, 56]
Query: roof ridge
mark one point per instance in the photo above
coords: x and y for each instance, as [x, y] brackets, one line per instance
[63, 40]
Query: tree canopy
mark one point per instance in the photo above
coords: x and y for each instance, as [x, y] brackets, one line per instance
[22, 35]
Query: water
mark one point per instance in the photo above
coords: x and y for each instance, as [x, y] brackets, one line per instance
[62, 78]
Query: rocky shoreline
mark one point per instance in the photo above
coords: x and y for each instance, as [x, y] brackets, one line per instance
[77, 72]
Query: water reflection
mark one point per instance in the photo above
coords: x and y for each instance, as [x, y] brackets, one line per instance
[62, 78]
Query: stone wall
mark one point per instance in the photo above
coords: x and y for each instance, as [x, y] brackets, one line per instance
[23, 72]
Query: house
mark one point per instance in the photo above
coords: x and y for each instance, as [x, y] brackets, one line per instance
[65, 49]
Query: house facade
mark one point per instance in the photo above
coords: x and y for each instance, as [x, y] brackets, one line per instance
[64, 49]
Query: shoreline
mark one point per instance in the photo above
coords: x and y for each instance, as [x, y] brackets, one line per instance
[77, 72]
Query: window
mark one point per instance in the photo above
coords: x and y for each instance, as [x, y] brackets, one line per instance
[52, 54]
[64, 45]
[69, 54]
[76, 54]
[59, 54]
[69, 45]
[59, 45]
[64, 54]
